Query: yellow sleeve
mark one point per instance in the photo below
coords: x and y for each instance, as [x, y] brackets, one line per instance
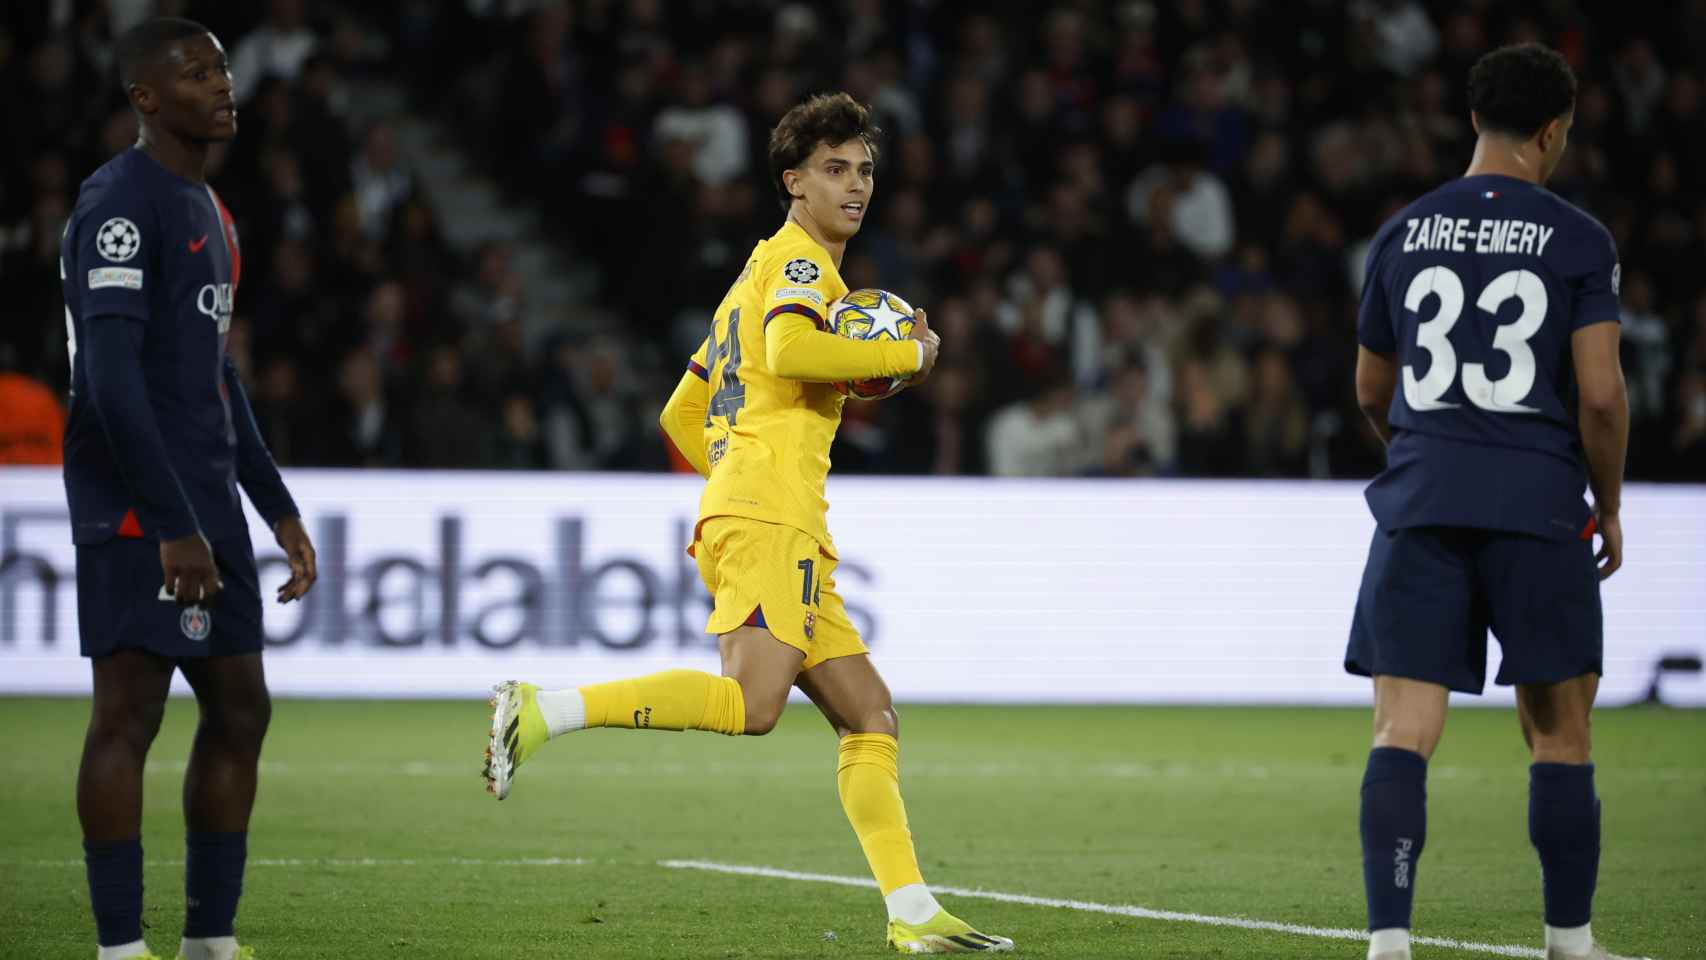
[683, 417]
[795, 348]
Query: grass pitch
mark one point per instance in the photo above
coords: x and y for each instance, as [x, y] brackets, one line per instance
[373, 838]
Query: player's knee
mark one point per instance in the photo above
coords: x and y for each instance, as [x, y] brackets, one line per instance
[242, 726]
[762, 718]
[1564, 743]
[1404, 733]
[130, 728]
[763, 712]
[881, 720]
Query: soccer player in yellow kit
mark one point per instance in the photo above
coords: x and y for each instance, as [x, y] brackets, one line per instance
[755, 413]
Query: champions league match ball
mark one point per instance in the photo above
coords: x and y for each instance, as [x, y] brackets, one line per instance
[871, 315]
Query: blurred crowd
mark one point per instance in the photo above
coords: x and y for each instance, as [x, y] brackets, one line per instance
[1138, 226]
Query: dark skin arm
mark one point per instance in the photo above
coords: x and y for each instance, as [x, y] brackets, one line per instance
[293, 540]
[1604, 418]
[1377, 381]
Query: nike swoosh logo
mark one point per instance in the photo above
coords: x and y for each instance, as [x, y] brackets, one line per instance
[196, 245]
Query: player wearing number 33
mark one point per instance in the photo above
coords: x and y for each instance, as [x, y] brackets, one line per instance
[755, 413]
[1489, 365]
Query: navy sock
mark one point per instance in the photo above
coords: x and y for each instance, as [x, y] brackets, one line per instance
[115, 890]
[1563, 825]
[1394, 824]
[213, 882]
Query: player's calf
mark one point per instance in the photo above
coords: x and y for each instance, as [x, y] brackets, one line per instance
[1393, 824]
[1563, 806]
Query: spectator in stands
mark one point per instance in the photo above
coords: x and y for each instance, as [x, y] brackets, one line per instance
[1198, 206]
[716, 131]
[1688, 445]
[566, 423]
[942, 433]
[1640, 78]
[276, 48]
[446, 427]
[1037, 436]
[1210, 427]
[29, 288]
[1126, 430]
[365, 424]
[1046, 321]
[520, 444]
[493, 294]
[291, 426]
[1403, 35]
[1276, 426]
[381, 182]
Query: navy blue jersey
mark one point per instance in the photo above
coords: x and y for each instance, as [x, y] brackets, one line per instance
[1476, 288]
[159, 433]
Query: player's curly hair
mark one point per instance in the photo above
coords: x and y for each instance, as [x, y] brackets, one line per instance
[832, 118]
[1518, 89]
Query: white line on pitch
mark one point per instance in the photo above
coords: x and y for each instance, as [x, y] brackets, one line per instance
[1329, 933]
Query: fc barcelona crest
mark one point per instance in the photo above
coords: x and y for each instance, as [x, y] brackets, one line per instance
[811, 623]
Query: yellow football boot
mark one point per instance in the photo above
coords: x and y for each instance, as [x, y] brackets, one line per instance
[518, 729]
[943, 933]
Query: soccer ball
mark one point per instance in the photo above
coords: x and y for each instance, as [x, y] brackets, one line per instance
[871, 315]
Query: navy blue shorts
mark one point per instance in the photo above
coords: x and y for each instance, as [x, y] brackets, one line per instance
[1429, 595]
[119, 605]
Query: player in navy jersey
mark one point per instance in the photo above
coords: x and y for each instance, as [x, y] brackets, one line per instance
[158, 439]
[1489, 366]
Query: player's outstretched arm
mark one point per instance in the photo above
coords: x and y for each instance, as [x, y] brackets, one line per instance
[1377, 381]
[1604, 418]
[259, 476]
[683, 417]
[795, 348]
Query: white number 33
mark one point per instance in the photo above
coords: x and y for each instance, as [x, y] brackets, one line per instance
[1504, 395]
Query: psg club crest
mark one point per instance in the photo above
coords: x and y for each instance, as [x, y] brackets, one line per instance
[801, 270]
[196, 623]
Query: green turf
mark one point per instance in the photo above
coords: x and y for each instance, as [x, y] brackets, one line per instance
[1231, 812]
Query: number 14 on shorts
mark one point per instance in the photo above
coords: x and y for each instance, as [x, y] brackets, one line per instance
[811, 588]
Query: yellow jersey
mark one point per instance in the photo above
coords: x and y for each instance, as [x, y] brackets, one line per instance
[760, 385]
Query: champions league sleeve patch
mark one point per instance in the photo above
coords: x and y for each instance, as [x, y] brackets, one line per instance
[800, 293]
[800, 270]
[128, 278]
[118, 240]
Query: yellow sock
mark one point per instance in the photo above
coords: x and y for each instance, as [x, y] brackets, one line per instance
[869, 778]
[671, 700]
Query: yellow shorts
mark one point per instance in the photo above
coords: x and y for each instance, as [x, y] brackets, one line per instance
[776, 577]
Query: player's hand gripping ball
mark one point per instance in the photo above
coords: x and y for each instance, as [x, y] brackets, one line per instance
[871, 315]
